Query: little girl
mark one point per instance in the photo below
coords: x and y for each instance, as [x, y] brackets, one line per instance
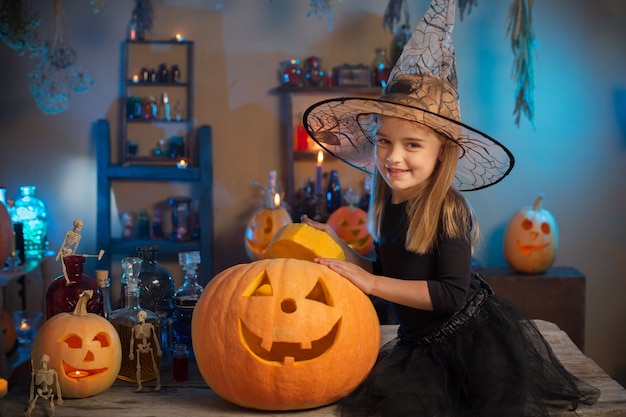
[460, 350]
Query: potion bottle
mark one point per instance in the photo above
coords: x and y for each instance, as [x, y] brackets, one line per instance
[30, 212]
[64, 292]
[185, 300]
[333, 194]
[126, 321]
[156, 284]
[104, 282]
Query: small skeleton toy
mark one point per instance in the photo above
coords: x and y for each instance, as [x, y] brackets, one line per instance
[46, 379]
[70, 245]
[142, 332]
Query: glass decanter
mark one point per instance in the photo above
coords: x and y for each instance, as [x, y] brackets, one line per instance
[30, 211]
[125, 321]
[156, 284]
[62, 295]
[185, 300]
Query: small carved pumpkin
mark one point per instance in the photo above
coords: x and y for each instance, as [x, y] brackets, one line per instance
[8, 330]
[84, 349]
[531, 239]
[284, 334]
[264, 224]
[350, 224]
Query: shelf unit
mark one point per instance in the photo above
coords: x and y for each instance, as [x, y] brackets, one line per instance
[145, 56]
[293, 102]
[200, 172]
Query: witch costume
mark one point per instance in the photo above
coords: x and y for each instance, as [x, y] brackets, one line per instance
[475, 354]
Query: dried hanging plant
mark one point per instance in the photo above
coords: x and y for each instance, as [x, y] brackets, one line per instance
[18, 22]
[57, 68]
[466, 4]
[323, 9]
[142, 16]
[523, 43]
[393, 13]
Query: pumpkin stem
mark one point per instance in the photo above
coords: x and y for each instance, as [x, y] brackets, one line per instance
[537, 203]
[81, 305]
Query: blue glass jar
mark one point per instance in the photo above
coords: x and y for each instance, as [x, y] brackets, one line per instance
[30, 211]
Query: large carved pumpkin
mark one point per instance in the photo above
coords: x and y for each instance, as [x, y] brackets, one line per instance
[84, 349]
[264, 224]
[6, 235]
[350, 224]
[284, 334]
[531, 239]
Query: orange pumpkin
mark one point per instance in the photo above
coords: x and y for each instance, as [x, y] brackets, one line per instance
[531, 239]
[84, 349]
[350, 224]
[6, 234]
[264, 224]
[284, 334]
[301, 241]
[8, 330]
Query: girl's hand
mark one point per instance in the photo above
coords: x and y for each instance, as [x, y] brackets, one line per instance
[320, 226]
[357, 275]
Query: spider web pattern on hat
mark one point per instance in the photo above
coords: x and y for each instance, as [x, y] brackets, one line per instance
[422, 87]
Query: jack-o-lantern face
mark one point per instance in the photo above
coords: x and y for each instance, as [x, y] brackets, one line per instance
[531, 239]
[294, 334]
[85, 350]
[350, 224]
[262, 227]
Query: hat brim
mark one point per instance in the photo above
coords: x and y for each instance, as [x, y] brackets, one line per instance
[340, 126]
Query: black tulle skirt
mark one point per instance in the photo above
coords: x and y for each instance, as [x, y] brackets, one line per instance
[487, 360]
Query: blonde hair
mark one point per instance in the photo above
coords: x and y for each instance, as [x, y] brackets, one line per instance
[435, 207]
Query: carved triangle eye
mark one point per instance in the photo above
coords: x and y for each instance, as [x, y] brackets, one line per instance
[320, 294]
[261, 287]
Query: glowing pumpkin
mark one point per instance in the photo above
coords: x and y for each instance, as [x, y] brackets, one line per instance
[264, 224]
[84, 349]
[8, 330]
[350, 224]
[531, 239]
[301, 241]
[284, 334]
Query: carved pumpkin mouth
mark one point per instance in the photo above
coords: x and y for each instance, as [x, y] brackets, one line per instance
[360, 243]
[287, 353]
[67, 368]
[527, 249]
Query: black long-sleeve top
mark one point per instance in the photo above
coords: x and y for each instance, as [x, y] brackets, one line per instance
[447, 269]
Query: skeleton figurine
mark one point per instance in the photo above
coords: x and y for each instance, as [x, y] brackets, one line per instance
[46, 379]
[69, 246]
[142, 332]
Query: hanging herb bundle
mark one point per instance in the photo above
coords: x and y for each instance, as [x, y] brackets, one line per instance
[323, 9]
[522, 43]
[18, 22]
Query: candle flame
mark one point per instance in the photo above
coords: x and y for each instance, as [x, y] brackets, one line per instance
[320, 157]
[276, 200]
[24, 325]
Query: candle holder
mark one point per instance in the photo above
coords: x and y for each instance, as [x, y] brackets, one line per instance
[26, 325]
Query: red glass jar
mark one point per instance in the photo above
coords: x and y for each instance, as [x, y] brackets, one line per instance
[62, 296]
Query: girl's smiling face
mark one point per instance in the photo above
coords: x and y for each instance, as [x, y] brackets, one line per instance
[406, 155]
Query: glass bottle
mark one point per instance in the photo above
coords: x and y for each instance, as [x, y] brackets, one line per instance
[185, 300]
[157, 225]
[104, 282]
[272, 189]
[333, 194]
[125, 319]
[180, 368]
[143, 225]
[30, 211]
[62, 296]
[156, 285]
[181, 218]
[130, 266]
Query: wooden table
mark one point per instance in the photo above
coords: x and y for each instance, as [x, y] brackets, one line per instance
[194, 399]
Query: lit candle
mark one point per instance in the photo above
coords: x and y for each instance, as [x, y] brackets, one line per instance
[276, 200]
[78, 374]
[179, 37]
[182, 164]
[135, 78]
[24, 325]
[318, 173]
